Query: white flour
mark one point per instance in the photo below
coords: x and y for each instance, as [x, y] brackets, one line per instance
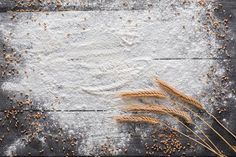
[82, 60]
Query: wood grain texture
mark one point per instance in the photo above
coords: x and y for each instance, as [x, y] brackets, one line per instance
[136, 142]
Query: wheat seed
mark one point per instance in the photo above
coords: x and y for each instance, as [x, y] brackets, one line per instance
[152, 93]
[161, 110]
[185, 98]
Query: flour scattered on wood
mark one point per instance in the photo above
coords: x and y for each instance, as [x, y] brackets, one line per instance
[105, 53]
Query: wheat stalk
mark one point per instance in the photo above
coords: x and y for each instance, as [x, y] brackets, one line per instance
[150, 120]
[161, 110]
[218, 134]
[172, 112]
[232, 147]
[185, 98]
[196, 133]
[169, 89]
[152, 93]
[136, 119]
[221, 124]
[200, 137]
[207, 138]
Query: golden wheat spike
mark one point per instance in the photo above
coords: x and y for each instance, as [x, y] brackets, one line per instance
[160, 109]
[185, 98]
[179, 114]
[152, 93]
[136, 119]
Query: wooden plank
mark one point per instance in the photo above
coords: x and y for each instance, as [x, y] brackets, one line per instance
[81, 5]
[94, 127]
[113, 30]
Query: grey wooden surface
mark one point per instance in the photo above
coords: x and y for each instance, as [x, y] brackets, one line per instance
[136, 145]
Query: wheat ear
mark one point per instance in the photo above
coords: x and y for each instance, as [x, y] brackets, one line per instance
[150, 120]
[185, 98]
[169, 89]
[137, 119]
[152, 93]
[161, 110]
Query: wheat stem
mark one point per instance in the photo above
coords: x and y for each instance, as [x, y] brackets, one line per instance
[146, 119]
[193, 132]
[171, 90]
[203, 133]
[209, 148]
[208, 138]
[220, 124]
[211, 128]
[161, 110]
[198, 135]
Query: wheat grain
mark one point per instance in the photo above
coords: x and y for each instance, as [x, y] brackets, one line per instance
[152, 93]
[202, 2]
[185, 98]
[161, 110]
[136, 119]
[209, 148]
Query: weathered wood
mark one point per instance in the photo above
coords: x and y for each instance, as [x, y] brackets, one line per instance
[79, 5]
[46, 39]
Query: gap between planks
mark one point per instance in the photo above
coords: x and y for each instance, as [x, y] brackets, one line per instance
[37, 110]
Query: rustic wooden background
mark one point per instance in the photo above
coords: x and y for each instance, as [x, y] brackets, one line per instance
[136, 146]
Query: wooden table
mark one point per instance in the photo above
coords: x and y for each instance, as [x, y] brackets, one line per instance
[59, 142]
